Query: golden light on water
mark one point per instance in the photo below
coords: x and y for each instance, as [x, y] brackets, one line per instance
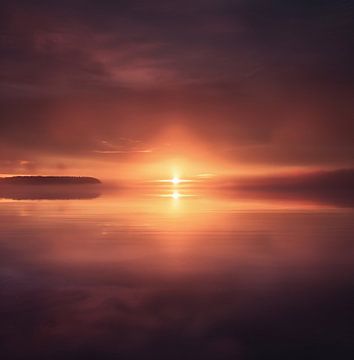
[176, 185]
[176, 195]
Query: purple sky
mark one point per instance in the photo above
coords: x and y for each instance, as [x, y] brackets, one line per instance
[253, 83]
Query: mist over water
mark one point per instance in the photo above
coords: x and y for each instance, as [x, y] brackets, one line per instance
[150, 275]
[176, 180]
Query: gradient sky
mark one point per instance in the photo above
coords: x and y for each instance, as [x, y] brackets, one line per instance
[109, 87]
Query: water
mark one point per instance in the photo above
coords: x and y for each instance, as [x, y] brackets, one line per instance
[125, 276]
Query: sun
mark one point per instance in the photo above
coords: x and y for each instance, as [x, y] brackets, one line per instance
[175, 180]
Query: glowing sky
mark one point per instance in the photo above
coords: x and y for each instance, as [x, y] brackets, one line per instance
[125, 88]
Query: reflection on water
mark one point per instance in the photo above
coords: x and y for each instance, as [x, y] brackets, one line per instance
[194, 277]
[50, 192]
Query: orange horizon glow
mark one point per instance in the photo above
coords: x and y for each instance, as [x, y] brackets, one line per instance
[175, 151]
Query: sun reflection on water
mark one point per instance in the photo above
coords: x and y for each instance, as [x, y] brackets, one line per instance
[177, 188]
[176, 195]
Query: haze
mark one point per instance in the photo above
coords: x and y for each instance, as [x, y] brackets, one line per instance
[132, 90]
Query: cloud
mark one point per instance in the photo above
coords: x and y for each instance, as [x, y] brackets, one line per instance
[272, 82]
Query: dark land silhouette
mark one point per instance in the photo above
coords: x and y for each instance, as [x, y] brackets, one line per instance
[320, 181]
[332, 187]
[49, 188]
[49, 180]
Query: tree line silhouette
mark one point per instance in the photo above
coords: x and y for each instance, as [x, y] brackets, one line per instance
[49, 180]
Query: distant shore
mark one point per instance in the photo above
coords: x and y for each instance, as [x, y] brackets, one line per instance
[49, 180]
[49, 187]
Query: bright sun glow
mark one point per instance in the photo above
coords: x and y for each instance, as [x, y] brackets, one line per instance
[175, 180]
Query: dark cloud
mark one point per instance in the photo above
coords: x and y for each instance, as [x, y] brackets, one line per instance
[270, 82]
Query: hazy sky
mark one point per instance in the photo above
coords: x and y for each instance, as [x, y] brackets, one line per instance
[98, 86]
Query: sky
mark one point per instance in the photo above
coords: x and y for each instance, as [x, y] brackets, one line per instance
[124, 89]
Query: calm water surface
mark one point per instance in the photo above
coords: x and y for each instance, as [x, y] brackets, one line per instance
[143, 277]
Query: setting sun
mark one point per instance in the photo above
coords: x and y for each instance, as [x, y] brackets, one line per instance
[175, 180]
